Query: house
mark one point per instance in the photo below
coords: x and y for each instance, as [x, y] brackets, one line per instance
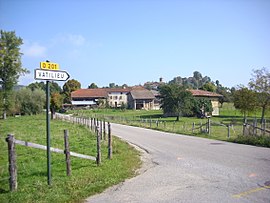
[88, 97]
[141, 99]
[136, 97]
[117, 97]
[213, 97]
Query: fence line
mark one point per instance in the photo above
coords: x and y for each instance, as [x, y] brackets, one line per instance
[93, 124]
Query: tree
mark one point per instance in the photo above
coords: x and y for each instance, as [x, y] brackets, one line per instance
[209, 86]
[10, 65]
[201, 107]
[92, 86]
[260, 83]
[30, 102]
[54, 87]
[245, 100]
[70, 86]
[175, 100]
[56, 102]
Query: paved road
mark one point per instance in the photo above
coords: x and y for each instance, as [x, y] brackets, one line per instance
[190, 169]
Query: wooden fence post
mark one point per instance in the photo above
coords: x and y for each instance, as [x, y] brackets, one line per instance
[229, 133]
[12, 163]
[109, 141]
[67, 152]
[104, 129]
[209, 126]
[98, 146]
[193, 127]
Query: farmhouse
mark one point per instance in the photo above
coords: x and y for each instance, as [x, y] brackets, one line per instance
[136, 97]
[141, 99]
[213, 97]
[88, 97]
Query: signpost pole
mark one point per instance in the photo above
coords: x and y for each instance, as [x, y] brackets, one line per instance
[49, 174]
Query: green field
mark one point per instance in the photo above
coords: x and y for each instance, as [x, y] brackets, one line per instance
[229, 116]
[87, 178]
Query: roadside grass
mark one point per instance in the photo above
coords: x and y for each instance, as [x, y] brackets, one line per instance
[229, 116]
[86, 177]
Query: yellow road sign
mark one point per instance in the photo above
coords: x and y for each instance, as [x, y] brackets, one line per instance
[49, 66]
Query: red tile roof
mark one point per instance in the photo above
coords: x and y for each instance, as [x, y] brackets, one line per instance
[89, 93]
[97, 93]
[203, 93]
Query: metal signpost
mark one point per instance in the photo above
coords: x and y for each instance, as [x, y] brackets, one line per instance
[50, 72]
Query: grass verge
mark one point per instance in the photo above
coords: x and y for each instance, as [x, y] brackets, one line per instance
[87, 178]
[153, 119]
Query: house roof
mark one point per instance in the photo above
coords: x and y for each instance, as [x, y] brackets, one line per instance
[142, 94]
[109, 90]
[203, 93]
[97, 93]
[89, 93]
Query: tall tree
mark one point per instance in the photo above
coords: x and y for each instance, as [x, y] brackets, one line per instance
[260, 83]
[245, 100]
[92, 86]
[175, 100]
[10, 65]
[70, 86]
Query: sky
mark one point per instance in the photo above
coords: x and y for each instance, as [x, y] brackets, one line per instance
[135, 41]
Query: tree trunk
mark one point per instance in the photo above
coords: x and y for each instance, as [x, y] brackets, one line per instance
[4, 115]
[177, 118]
[263, 113]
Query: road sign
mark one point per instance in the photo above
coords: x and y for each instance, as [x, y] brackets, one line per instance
[55, 75]
[49, 66]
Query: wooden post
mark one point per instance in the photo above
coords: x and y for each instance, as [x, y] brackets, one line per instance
[209, 126]
[254, 127]
[104, 129]
[244, 126]
[109, 141]
[100, 129]
[12, 163]
[98, 146]
[67, 152]
[193, 127]
[229, 133]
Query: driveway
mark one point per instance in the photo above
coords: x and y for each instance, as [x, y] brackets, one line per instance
[182, 168]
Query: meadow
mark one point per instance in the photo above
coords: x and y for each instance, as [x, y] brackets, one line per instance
[228, 126]
[86, 177]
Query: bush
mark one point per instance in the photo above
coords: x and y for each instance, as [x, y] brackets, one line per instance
[263, 141]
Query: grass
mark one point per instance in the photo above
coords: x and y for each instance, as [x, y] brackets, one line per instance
[87, 178]
[219, 130]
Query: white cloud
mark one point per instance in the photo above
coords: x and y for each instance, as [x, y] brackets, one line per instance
[34, 50]
[76, 40]
[69, 39]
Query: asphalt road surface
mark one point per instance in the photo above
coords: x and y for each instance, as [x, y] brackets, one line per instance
[182, 168]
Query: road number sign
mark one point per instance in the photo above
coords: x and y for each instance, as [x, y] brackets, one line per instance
[55, 75]
[49, 66]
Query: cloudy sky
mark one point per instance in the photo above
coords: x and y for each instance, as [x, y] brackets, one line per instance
[105, 41]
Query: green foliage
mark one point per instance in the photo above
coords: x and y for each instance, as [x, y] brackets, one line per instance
[260, 83]
[245, 100]
[30, 102]
[92, 86]
[10, 65]
[202, 107]
[70, 86]
[176, 100]
[86, 178]
[56, 102]
[209, 87]
[54, 87]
